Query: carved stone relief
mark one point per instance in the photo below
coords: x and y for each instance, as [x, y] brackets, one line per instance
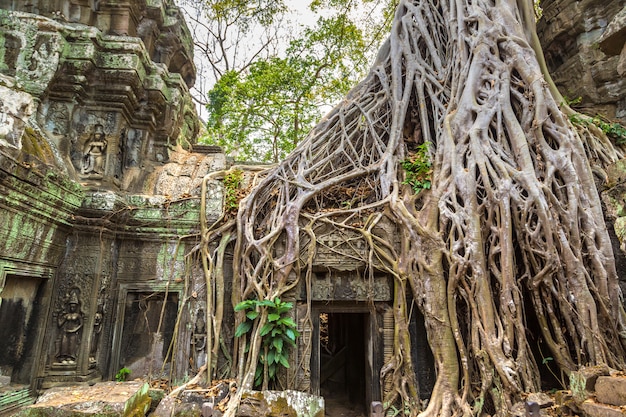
[198, 342]
[95, 336]
[57, 119]
[70, 324]
[8, 57]
[132, 148]
[94, 154]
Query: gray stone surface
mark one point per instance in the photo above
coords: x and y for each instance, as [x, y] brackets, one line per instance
[190, 403]
[582, 42]
[611, 390]
[583, 381]
[102, 399]
[592, 409]
[280, 403]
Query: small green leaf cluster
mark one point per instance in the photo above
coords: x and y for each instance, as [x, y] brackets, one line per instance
[232, 181]
[278, 333]
[418, 169]
[572, 101]
[122, 374]
[613, 130]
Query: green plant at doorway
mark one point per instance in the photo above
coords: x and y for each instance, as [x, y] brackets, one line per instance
[277, 334]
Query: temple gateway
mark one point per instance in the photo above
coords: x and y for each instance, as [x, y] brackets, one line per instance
[102, 186]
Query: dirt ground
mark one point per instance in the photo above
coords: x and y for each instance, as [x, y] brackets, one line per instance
[341, 407]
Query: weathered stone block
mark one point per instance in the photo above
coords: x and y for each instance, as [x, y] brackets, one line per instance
[592, 409]
[190, 403]
[611, 390]
[106, 399]
[584, 380]
[566, 404]
[536, 401]
[284, 403]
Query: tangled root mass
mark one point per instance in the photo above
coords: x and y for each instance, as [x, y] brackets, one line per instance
[511, 230]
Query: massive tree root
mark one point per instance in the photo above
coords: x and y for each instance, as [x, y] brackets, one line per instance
[510, 232]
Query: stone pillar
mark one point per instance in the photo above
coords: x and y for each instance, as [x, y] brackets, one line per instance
[120, 22]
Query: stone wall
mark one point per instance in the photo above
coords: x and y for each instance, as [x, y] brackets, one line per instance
[89, 85]
[158, 23]
[99, 191]
[36, 214]
[584, 46]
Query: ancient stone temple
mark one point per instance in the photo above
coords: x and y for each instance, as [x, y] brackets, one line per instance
[584, 43]
[102, 193]
[100, 205]
[99, 190]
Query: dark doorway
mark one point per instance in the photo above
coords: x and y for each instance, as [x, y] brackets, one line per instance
[147, 331]
[20, 306]
[342, 356]
[344, 359]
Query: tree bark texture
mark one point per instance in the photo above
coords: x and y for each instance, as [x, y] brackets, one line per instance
[510, 232]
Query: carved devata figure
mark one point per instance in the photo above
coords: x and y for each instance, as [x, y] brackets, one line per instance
[70, 323]
[94, 153]
[198, 342]
[95, 336]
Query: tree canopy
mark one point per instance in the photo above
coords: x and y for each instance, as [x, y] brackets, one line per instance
[268, 94]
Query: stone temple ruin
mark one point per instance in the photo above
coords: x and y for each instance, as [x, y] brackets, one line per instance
[100, 185]
[97, 181]
[100, 202]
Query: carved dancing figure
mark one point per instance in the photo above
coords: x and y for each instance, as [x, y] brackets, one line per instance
[198, 341]
[133, 148]
[95, 336]
[94, 152]
[70, 324]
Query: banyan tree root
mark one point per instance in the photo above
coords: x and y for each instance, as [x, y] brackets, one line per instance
[510, 233]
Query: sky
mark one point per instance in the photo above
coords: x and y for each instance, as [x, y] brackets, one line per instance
[300, 17]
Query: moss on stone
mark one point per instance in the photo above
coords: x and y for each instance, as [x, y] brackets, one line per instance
[35, 145]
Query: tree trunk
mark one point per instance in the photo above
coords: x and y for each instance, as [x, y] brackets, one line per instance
[511, 230]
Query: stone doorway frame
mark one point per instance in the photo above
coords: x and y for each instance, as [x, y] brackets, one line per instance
[46, 275]
[372, 338]
[164, 288]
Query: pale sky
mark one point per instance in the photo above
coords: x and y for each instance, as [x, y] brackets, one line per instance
[300, 17]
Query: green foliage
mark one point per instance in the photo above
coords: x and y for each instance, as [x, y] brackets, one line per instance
[232, 182]
[278, 333]
[572, 101]
[122, 374]
[418, 169]
[261, 112]
[614, 130]
[578, 386]
[538, 9]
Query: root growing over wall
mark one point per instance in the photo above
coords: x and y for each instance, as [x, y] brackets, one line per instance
[511, 227]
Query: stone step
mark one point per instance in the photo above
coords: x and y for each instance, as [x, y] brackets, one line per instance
[105, 399]
[611, 390]
[594, 409]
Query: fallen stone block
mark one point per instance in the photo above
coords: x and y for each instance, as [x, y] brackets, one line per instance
[594, 409]
[190, 402]
[583, 381]
[611, 390]
[104, 399]
[537, 401]
[287, 403]
[566, 403]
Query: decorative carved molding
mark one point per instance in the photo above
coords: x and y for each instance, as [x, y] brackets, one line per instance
[24, 270]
